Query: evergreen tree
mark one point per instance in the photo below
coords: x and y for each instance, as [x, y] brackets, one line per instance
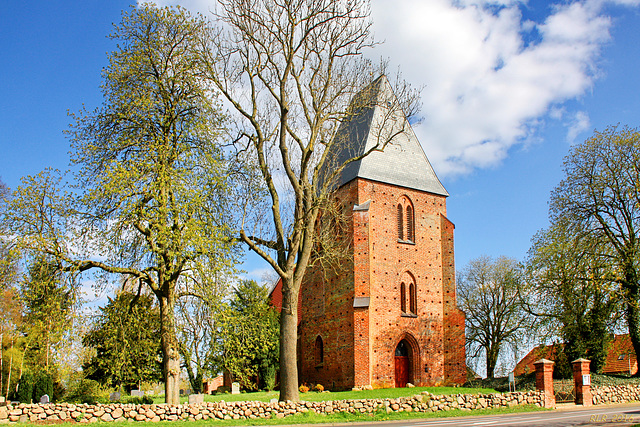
[125, 336]
[250, 336]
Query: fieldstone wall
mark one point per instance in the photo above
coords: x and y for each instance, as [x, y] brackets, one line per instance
[424, 402]
[615, 394]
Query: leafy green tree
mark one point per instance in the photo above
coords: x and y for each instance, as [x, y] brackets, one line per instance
[50, 300]
[8, 255]
[572, 289]
[25, 388]
[125, 338]
[42, 384]
[488, 293]
[250, 336]
[600, 197]
[148, 199]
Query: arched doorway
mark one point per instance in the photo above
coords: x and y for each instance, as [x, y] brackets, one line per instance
[403, 364]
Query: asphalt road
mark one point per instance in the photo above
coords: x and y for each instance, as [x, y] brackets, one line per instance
[614, 415]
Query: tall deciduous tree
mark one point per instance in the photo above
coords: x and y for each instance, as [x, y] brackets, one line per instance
[148, 201]
[600, 195]
[289, 70]
[125, 338]
[488, 293]
[572, 288]
[50, 300]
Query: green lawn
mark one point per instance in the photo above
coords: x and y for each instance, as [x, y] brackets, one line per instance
[311, 396]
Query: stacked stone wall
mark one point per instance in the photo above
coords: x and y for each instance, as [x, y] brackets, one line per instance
[615, 394]
[423, 402]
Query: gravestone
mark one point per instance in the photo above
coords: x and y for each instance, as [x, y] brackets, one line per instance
[2, 401]
[114, 397]
[235, 388]
[137, 393]
[44, 399]
[196, 398]
[150, 392]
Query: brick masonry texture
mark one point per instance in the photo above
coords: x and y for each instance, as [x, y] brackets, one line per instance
[359, 343]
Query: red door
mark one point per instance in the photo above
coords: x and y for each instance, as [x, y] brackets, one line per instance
[402, 371]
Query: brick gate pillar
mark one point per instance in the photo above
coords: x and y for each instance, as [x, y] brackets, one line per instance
[582, 381]
[544, 381]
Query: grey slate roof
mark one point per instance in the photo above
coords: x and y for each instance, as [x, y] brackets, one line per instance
[377, 120]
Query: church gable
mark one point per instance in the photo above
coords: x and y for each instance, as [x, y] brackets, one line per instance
[399, 159]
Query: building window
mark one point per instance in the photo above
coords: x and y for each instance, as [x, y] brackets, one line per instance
[406, 221]
[408, 296]
[410, 225]
[400, 223]
[319, 351]
[412, 298]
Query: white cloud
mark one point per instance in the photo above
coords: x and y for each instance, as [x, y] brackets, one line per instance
[578, 125]
[490, 74]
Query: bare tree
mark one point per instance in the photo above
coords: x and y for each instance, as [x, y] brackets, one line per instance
[292, 71]
[488, 294]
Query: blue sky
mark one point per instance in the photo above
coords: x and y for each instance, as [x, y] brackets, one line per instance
[508, 86]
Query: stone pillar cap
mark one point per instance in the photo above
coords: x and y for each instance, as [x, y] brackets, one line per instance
[545, 361]
[581, 360]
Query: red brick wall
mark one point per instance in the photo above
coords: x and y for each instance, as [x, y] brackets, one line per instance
[360, 343]
[454, 318]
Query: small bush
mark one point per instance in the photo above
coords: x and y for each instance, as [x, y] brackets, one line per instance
[87, 391]
[25, 388]
[144, 400]
[43, 384]
[319, 388]
[303, 388]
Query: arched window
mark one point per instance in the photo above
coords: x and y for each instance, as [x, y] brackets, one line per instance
[410, 226]
[400, 223]
[403, 297]
[319, 351]
[412, 298]
[406, 220]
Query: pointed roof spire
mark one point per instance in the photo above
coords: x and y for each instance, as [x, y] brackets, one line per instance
[378, 123]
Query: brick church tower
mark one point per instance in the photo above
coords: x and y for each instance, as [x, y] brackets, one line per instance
[387, 315]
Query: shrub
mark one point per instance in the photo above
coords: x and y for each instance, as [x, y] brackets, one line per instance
[25, 388]
[303, 388]
[144, 400]
[43, 384]
[319, 388]
[87, 391]
[268, 377]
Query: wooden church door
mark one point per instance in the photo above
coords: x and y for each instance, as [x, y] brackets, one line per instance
[402, 364]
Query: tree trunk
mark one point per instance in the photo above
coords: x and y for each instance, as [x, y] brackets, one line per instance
[492, 359]
[288, 344]
[632, 311]
[170, 355]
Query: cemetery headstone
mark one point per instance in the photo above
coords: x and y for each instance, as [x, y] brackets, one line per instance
[235, 388]
[114, 397]
[137, 393]
[44, 399]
